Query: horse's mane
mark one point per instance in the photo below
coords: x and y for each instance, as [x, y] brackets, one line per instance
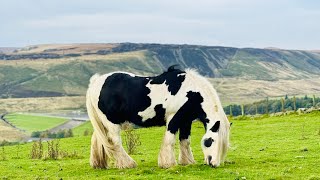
[172, 68]
[224, 123]
[175, 67]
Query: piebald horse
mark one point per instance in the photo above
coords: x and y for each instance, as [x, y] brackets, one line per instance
[173, 99]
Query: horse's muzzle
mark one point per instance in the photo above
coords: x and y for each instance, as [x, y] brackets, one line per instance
[210, 163]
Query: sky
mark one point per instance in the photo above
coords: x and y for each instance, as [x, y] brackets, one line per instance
[287, 24]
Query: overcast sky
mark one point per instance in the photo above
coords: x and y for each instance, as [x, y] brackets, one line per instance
[288, 24]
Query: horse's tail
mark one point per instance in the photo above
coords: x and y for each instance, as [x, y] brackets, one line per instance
[99, 144]
[93, 79]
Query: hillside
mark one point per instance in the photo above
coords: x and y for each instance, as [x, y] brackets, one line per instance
[7, 49]
[65, 69]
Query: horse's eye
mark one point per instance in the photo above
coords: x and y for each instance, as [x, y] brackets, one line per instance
[208, 142]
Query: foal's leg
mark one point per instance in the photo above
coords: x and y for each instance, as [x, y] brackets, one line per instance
[166, 157]
[122, 159]
[185, 156]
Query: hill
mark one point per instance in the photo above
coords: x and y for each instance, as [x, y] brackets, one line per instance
[238, 73]
[7, 49]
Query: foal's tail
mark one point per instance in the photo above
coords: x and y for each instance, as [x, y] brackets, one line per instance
[99, 144]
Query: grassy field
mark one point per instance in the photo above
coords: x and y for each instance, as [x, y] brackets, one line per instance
[79, 130]
[271, 148]
[32, 123]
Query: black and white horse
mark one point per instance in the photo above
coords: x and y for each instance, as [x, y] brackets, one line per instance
[174, 98]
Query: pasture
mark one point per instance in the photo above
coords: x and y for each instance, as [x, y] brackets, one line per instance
[32, 123]
[79, 130]
[286, 147]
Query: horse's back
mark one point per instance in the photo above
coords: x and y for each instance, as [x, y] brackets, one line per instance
[123, 96]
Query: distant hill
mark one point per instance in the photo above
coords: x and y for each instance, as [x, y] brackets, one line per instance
[7, 49]
[64, 69]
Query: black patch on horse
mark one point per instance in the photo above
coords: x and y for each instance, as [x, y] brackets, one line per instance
[215, 127]
[173, 78]
[123, 96]
[208, 142]
[190, 111]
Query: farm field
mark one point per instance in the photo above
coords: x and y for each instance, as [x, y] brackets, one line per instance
[286, 147]
[32, 123]
[79, 130]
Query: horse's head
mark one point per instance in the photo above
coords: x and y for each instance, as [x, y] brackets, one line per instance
[214, 143]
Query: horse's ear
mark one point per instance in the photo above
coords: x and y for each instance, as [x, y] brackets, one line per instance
[215, 127]
[172, 68]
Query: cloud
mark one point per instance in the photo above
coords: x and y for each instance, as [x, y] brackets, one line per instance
[241, 23]
[127, 27]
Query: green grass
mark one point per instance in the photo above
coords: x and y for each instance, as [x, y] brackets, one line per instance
[79, 130]
[32, 123]
[270, 148]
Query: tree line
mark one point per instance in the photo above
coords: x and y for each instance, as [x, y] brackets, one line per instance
[268, 106]
[62, 133]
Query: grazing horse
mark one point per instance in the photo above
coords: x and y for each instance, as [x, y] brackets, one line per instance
[174, 98]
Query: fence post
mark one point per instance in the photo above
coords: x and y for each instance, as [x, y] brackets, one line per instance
[242, 110]
[282, 104]
[267, 108]
[294, 104]
[314, 101]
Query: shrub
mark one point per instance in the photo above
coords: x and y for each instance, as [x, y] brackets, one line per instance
[132, 139]
[3, 155]
[4, 143]
[86, 132]
[53, 149]
[36, 150]
[68, 133]
[60, 134]
[36, 134]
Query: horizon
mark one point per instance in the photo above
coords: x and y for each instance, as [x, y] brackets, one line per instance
[270, 48]
[283, 24]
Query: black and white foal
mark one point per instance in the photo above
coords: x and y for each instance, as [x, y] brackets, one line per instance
[174, 98]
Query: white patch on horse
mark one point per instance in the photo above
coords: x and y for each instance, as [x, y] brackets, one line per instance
[158, 95]
[182, 74]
